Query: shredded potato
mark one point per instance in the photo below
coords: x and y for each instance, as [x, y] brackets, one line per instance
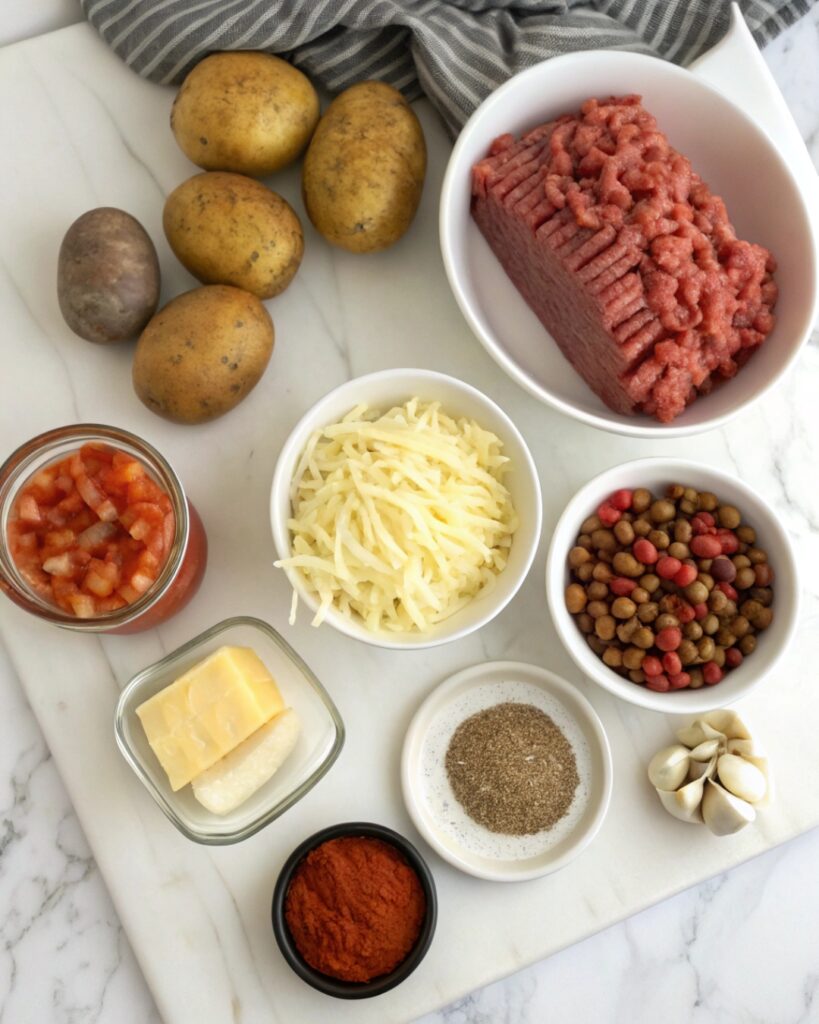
[399, 519]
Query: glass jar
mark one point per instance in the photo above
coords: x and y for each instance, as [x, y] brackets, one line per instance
[184, 567]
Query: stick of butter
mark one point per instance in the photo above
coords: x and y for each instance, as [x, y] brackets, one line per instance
[208, 711]
[235, 778]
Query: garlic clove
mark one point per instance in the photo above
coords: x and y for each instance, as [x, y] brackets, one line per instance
[728, 723]
[705, 751]
[685, 803]
[697, 769]
[745, 748]
[668, 768]
[741, 778]
[695, 733]
[723, 812]
[762, 764]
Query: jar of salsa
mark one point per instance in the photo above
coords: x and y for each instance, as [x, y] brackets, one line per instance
[96, 532]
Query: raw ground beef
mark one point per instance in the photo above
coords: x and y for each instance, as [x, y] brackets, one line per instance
[625, 255]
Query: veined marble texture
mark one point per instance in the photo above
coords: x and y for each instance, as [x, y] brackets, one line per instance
[741, 947]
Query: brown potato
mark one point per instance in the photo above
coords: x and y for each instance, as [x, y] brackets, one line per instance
[364, 169]
[202, 353]
[107, 276]
[230, 229]
[244, 111]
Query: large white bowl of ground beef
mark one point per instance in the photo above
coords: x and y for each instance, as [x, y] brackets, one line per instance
[627, 244]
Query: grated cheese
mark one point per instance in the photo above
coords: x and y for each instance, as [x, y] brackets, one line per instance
[399, 519]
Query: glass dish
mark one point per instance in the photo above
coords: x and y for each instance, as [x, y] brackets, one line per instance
[318, 746]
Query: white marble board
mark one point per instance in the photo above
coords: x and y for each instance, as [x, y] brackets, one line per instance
[77, 130]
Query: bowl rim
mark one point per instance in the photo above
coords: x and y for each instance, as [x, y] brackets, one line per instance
[324, 982]
[552, 683]
[495, 348]
[295, 442]
[167, 807]
[592, 667]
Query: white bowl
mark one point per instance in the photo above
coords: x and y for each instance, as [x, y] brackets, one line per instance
[392, 387]
[434, 808]
[656, 474]
[726, 148]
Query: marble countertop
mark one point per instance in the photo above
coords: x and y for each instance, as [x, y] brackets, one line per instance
[740, 947]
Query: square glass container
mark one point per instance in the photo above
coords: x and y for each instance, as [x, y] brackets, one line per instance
[318, 745]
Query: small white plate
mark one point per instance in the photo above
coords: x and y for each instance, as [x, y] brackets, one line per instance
[442, 821]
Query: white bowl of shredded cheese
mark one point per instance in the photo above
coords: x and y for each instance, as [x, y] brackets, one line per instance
[406, 509]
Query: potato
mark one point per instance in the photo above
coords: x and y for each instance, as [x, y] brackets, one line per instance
[202, 353]
[364, 169]
[244, 111]
[229, 229]
[107, 276]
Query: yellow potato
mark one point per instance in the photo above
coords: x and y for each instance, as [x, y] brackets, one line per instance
[244, 111]
[202, 353]
[364, 169]
[229, 229]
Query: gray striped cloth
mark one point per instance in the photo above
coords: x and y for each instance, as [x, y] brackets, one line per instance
[455, 51]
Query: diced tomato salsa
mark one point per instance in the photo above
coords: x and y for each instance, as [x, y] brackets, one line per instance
[91, 533]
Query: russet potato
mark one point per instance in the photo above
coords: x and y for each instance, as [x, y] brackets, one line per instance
[244, 111]
[107, 276]
[230, 229]
[202, 353]
[364, 169]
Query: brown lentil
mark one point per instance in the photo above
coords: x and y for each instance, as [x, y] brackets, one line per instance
[624, 532]
[584, 573]
[623, 608]
[641, 499]
[613, 657]
[605, 626]
[663, 511]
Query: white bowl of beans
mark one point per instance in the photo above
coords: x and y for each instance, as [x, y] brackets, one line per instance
[672, 585]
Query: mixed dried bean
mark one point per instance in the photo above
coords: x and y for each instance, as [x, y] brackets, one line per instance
[670, 592]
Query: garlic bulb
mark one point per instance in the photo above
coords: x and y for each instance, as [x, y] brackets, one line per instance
[716, 774]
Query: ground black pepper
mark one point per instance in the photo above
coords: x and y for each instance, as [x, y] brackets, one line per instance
[512, 769]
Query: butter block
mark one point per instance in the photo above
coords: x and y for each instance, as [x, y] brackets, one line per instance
[208, 712]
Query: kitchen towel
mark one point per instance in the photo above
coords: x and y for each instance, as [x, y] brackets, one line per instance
[455, 51]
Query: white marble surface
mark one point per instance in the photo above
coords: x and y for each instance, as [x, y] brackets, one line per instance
[738, 948]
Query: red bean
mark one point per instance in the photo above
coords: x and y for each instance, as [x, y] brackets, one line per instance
[668, 639]
[728, 590]
[687, 574]
[733, 657]
[712, 673]
[679, 681]
[723, 570]
[701, 611]
[685, 613]
[672, 663]
[668, 567]
[658, 683]
[609, 515]
[706, 546]
[729, 541]
[622, 499]
[644, 551]
[621, 585]
[652, 666]
[703, 522]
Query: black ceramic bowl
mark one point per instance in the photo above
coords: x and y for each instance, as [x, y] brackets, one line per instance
[323, 982]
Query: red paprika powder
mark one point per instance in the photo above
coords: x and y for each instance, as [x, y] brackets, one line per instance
[354, 908]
